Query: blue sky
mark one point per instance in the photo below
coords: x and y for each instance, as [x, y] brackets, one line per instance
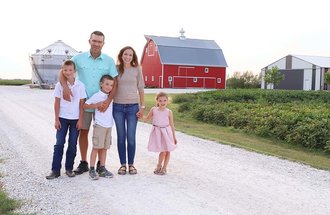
[252, 34]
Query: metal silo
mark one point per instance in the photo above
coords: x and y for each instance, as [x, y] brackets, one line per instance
[47, 62]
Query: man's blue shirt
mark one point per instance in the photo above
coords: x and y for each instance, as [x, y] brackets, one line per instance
[90, 70]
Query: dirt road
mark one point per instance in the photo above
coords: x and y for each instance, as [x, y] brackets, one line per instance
[203, 177]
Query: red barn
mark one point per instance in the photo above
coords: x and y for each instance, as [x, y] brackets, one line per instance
[178, 62]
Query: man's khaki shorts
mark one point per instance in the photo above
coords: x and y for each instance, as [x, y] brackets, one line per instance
[88, 117]
[101, 137]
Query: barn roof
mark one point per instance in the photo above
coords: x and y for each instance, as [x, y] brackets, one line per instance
[57, 48]
[316, 60]
[191, 52]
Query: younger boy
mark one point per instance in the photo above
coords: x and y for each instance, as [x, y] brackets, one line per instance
[68, 117]
[103, 122]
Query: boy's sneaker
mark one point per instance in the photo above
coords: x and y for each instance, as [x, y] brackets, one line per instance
[98, 164]
[70, 173]
[103, 172]
[53, 175]
[93, 175]
[83, 167]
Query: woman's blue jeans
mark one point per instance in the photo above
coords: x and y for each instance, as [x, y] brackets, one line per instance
[126, 122]
[66, 125]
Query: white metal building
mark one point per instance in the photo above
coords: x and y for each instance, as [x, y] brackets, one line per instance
[301, 72]
[47, 62]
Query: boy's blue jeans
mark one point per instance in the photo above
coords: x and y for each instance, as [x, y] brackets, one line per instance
[126, 122]
[66, 125]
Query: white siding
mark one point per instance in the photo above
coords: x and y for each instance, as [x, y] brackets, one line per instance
[308, 79]
[300, 64]
[280, 64]
[318, 79]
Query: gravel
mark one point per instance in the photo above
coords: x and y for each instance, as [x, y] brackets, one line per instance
[203, 177]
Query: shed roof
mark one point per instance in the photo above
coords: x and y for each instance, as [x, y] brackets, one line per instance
[57, 48]
[316, 60]
[192, 52]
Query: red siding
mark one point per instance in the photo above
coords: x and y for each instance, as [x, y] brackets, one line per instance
[179, 76]
[194, 77]
[151, 66]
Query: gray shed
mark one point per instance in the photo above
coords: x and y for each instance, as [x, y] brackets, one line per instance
[47, 62]
[301, 72]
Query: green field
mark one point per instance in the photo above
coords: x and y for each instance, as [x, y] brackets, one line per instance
[14, 82]
[185, 123]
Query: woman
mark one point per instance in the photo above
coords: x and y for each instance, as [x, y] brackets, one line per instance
[128, 106]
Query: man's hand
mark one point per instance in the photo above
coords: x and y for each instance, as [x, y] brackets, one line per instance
[67, 93]
[66, 90]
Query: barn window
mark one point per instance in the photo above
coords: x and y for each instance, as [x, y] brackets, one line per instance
[206, 70]
[195, 79]
[152, 78]
[151, 49]
[218, 80]
[146, 78]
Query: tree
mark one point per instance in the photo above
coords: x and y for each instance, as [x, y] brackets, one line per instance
[273, 76]
[245, 80]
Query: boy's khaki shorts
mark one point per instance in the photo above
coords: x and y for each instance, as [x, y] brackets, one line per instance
[101, 137]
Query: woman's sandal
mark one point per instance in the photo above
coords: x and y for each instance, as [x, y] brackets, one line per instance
[162, 171]
[132, 170]
[157, 170]
[122, 170]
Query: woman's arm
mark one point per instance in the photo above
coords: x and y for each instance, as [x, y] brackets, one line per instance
[140, 113]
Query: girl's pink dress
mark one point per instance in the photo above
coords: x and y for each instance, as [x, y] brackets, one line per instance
[161, 136]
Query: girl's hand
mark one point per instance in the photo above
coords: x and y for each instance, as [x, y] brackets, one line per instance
[57, 124]
[175, 141]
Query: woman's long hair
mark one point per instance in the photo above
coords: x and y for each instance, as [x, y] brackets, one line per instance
[120, 62]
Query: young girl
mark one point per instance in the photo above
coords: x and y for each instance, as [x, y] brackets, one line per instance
[162, 137]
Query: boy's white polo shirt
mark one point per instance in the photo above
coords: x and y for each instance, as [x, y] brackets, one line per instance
[104, 119]
[70, 110]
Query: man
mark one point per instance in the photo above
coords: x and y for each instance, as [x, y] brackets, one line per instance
[91, 66]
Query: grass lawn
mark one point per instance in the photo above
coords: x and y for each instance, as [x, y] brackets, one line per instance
[224, 135]
[7, 205]
[15, 82]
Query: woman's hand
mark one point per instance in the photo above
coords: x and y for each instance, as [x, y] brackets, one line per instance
[104, 106]
[140, 113]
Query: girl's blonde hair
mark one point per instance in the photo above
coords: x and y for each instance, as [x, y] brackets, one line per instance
[161, 94]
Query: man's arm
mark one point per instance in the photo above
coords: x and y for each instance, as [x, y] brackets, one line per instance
[66, 90]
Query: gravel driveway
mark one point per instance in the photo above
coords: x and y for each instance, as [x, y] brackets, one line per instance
[203, 177]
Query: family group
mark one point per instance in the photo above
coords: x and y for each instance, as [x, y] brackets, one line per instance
[93, 90]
